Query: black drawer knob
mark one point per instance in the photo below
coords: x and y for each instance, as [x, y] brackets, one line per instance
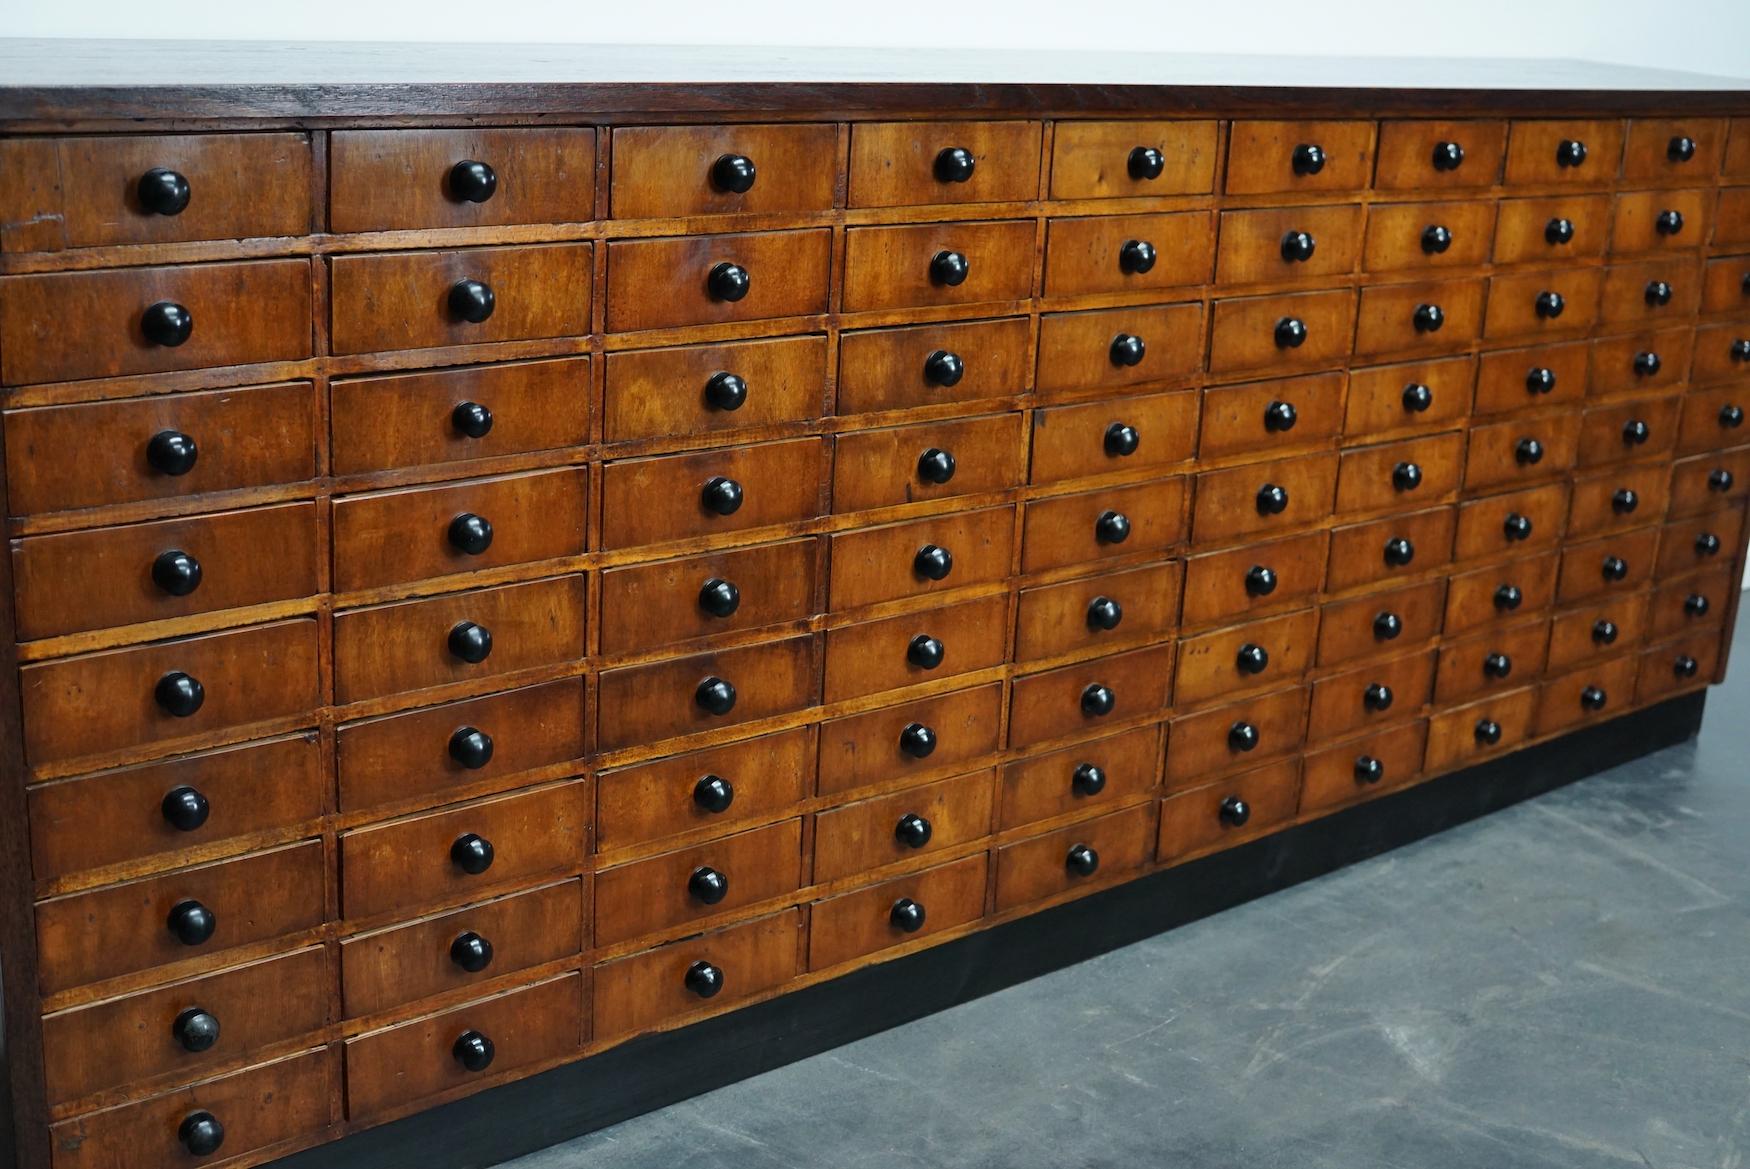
[1406, 476]
[196, 1030]
[1428, 318]
[1448, 156]
[1497, 666]
[1669, 222]
[1570, 153]
[1113, 527]
[1127, 349]
[1685, 666]
[933, 562]
[1517, 527]
[1635, 432]
[471, 747]
[472, 181]
[936, 465]
[470, 641]
[943, 368]
[1695, 605]
[1540, 380]
[1604, 632]
[1488, 732]
[1528, 452]
[473, 1051]
[179, 694]
[913, 830]
[703, 979]
[1658, 293]
[917, 740]
[1087, 780]
[1290, 333]
[1272, 499]
[176, 572]
[1368, 769]
[727, 282]
[1082, 861]
[471, 952]
[734, 173]
[171, 452]
[1614, 568]
[721, 495]
[725, 391]
[714, 794]
[1550, 305]
[1135, 257]
[163, 191]
[1260, 581]
[201, 1134]
[1592, 698]
[707, 885]
[1559, 231]
[1417, 397]
[1436, 239]
[949, 269]
[185, 808]
[191, 923]
[1121, 440]
[1707, 544]
[719, 597]
[906, 915]
[1280, 417]
[1399, 551]
[1681, 148]
[1145, 163]
[1387, 626]
[1647, 363]
[1242, 736]
[470, 533]
[472, 301]
[1298, 247]
[715, 696]
[925, 652]
[1741, 346]
[471, 420]
[1624, 501]
[1104, 613]
[472, 853]
[1719, 480]
[1234, 812]
[1731, 417]
[954, 164]
[1308, 158]
[1252, 658]
[1098, 701]
[167, 323]
[1377, 697]
[1509, 597]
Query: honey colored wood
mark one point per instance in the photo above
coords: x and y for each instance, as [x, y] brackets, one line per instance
[1260, 156]
[852, 925]
[1043, 786]
[1484, 530]
[1254, 248]
[1682, 547]
[1631, 296]
[1561, 702]
[1237, 420]
[1398, 235]
[885, 468]
[1607, 433]
[875, 656]
[652, 500]
[1086, 254]
[650, 895]
[1407, 149]
[1737, 153]
[666, 171]
[1208, 665]
[892, 164]
[1635, 221]
[1647, 155]
[1585, 634]
[1072, 442]
[1386, 322]
[1054, 704]
[1075, 349]
[1471, 597]
[1712, 419]
[1053, 620]
[1525, 229]
[1217, 583]
[861, 750]
[664, 283]
[1505, 379]
[1369, 479]
[885, 369]
[1732, 218]
[1693, 602]
[1723, 285]
[894, 267]
[1360, 628]
[1032, 870]
[1512, 309]
[1376, 401]
[1617, 364]
[1227, 507]
[1501, 454]
[653, 801]
[1091, 160]
[1464, 672]
[1596, 509]
[1532, 148]
[1369, 554]
[647, 606]
[1340, 702]
[875, 564]
[1330, 778]
[648, 990]
[1243, 333]
[1659, 673]
[1066, 531]
[1191, 821]
[863, 837]
[1452, 734]
[1715, 350]
[387, 180]
[1213, 742]
[1619, 563]
[643, 704]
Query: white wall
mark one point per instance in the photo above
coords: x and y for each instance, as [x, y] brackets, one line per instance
[1707, 36]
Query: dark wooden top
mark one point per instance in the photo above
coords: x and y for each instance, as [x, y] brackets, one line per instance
[48, 84]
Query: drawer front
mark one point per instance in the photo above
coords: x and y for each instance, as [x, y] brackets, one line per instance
[642, 704]
[1223, 586]
[1566, 227]
[1425, 395]
[1228, 738]
[899, 164]
[1642, 362]
[651, 989]
[1380, 622]
[70, 325]
[1417, 237]
[656, 894]
[1088, 777]
[1282, 332]
[528, 1026]
[1089, 696]
[1684, 664]
[1202, 820]
[1713, 419]
[1650, 293]
[1148, 518]
[1500, 592]
[238, 186]
[1115, 348]
[754, 780]
[435, 530]
[1393, 475]
[663, 172]
[1129, 254]
[448, 416]
[1274, 244]
[1102, 160]
[407, 300]
[926, 735]
[1491, 727]
[1032, 870]
[929, 460]
[679, 497]
[1691, 603]
[1563, 153]
[1096, 614]
[1511, 524]
[874, 833]
[1659, 221]
[1534, 304]
[707, 389]
[1621, 562]
[928, 264]
[404, 179]
[1265, 417]
[1725, 285]
[1369, 695]
[647, 606]
[893, 561]
[1589, 694]
[1491, 661]
[1359, 768]
[1721, 354]
[851, 925]
[1617, 499]
[224, 680]
[1608, 626]
[932, 365]
[1702, 542]
[119, 929]
[1267, 157]
[1732, 218]
[405, 963]
[1229, 661]
[1418, 156]
[909, 650]
[1655, 152]
[1637, 429]
[1521, 450]
[1246, 501]
[253, 437]
[1125, 434]
[74, 581]
[117, 816]
[432, 750]
[693, 280]
[1371, 553]
[1737, 160]
[419, 860]
[1526, 379]
[1418, 318]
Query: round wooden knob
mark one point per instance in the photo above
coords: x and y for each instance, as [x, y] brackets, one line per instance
[472, 301]
[1509, 597]
[949, 269]
[936, 466]
[179, 694]
[913, 830]
[163, 191]
[1136, 256]
[473, 1051]
[470, 641]
[1387, 626]
[1113, 527]
[167, 323]
[1272, 499]
[1406, 476]
[1636, 432]
[1497, 666]
[725, 391]
[1657, 293]
[1280, 416]
[1298, 246]
[1290, 333]
[1540, 380]
[714, 794]
[471, 952]
[1570, 153]
[185, 808]
[925, 652]
[470, 533]
[1488, 732]
[1242, 736]
[471, 747]
[1669, 222]
[1448, 156]
[1377, 697]
[1604, 632]
[1260, 581]
[703, 979]
[1517, 527]
[1145, 163]
[715, 696]
[1614, 568]
[1528, 452]
[201, 1134]
[721, 495]
[472, 853]
[471, 420]
[1647, 363]
[195, 1030]
[1127, 349]
[1558, 231]
[1417, 398]
[1308, 158]
[1252, 658]
[1592, 698]
[1098, 701]
[954, 164]
[943, 368]
[733, 173]
[1104, 613]
[1696, 605]
[917, 740]
[171, 452]
[1368, 769]
[1082, 861]
[1399, 551]
[191, 923]
[1685, 666]
[1625, 501]
[472, 181]
[906, 915]
[1436, 239]
[1234, 812]
[176, 572]
[720, 598]
[1087, 780]
[1121, 440]
[1707, 544]
[1680, 149]
[728, 282]
[1428, 318]
[1550, 305]
[933, 562]
[707, 885]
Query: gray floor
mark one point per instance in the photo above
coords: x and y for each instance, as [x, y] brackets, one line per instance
[1565, 983]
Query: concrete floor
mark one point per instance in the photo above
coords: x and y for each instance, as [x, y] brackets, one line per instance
[1564, 983]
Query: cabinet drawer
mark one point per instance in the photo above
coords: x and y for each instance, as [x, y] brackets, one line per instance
[914, 648]
[1115, 348]
[1099, 160]
[929, 734]
[1690, 603]
[1525, 379]
[1608, 625]
[119, 929]
[1276, 244]
[1725, 285]
[1420, 156]
[886, 563]
[1621, 498]
[1271, 651]
[1721, 354]
[1202, 746]
[1266, 157]
[1493, 726]
[428, 752]
[663, 172]
[1076, 530]
[1361, 767]
[1086, 777]
[1089, 853]
[1532, 304]
[1517, 522]
[1264, 498]
[1125, 434]
[755, 780]
[1732, 218]
[1636, 429]
[221, 680]
[869, 920]
[407, 962]
[409, 300]
[928, 264]
[1099, 613]
[1492, 661]
[1371, 553]
[1399, 474]
[1379, 622]
[234, 186]
[1425, 395]
[419, 860]
[1565, 227]
[1129, 254]
[1737, 159]
[648, 606]
[527, 1026]
[1707, 482]
[66, 326]
[1256, 578]
[70, 582]
[642, 704]
[1212, 817]
[929, 460]
[1684, 664]
[387, 180]
[1642, 362]
[1617, 563]
[1563, 153]
[254, 437]
[653, 989]
[659, 893]
[515, 519]
[1266, 417]
[1500, 592]
[1657, 153]
[886, 830]
[1659, 221]
[716, 279]
[1370, 694]
[1283, 332]
[1418, 318]
[1653, 292]
[708, 389]
[678, 497]
[1713, 419]
[932, 365]
[1701, 542]
[1598, 691]
[1089, 696]
[898, 164]
[1521, 450]
[1417, 237]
